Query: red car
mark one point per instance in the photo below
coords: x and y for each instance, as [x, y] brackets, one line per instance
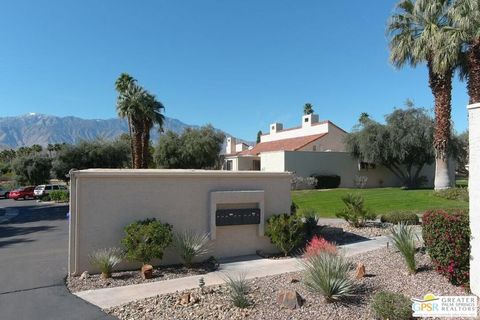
[24, 193]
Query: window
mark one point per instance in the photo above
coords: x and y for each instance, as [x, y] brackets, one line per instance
[306, 119]
[366, 165]
[256, 165]
[314, 148]
[55, 187]
[229, 165]
[273, 127]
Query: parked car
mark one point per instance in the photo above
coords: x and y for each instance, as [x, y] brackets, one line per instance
[44, 189]
[4, 193]
[22, 193]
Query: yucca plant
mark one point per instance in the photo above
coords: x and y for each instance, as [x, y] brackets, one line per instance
[238, 289]
[327, 273]
[105, 260]
[191, 244]
[403, 238]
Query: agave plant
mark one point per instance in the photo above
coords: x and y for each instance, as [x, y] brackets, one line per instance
[106, 259]
[403, 238]
[238, 289]
[327, 273]
[191, 244]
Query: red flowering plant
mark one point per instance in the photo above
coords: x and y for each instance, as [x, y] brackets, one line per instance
[447, 240]
[318, 245]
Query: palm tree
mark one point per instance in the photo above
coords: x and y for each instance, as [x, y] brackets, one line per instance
[420, 32]
[466, 19]
[308, 109]
[152, 114]
[124, 111]
[130, 106]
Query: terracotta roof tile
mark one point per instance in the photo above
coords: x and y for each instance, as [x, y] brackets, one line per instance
[291, 144]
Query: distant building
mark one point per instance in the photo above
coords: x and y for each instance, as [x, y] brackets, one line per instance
[314, 148]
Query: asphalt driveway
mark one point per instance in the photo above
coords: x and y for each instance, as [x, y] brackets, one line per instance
[33, 264]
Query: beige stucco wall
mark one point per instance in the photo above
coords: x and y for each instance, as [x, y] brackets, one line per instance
[294, 133]
[104, 201]
[333, 141]
[305, 164]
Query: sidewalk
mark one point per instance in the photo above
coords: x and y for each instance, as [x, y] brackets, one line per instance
[253, 266]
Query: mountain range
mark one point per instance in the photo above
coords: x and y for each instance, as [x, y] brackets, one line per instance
[34, 128]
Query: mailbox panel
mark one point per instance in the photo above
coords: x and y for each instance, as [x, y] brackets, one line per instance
[231, 217]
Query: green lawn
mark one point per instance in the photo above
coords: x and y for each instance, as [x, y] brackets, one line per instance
[381, 200]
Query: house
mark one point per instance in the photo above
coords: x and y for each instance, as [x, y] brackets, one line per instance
[314, 148]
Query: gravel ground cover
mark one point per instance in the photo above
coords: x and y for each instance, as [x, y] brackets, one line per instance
[370, 230]
[385, 271]
[125, 278]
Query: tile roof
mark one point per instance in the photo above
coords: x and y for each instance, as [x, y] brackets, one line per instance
[291, 144]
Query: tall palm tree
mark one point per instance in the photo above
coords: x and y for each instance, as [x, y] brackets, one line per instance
[420, 32]
[466, 19]
[130, 105]
[121, 85]
[152, 114]
[308, 109]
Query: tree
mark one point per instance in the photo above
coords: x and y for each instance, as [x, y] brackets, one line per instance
[152, 110]
[193, 149]
[460, 147]
[404, 145]
[91, 154]
[32, 169]
[259, 135]
[308, 109]
[466, 20]
[420, 32]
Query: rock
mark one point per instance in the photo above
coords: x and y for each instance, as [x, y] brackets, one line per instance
[360, 272]
[146, 271]
[184, 299]
[289, 298]
[294, 280]
[84, 275]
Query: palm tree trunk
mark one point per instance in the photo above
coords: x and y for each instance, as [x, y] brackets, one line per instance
[131, 140]
[146, 143]
[473, 61]
[441, 86]
[137, 130]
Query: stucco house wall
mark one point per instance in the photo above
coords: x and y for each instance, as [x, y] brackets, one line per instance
[104, 201]
[333, 141]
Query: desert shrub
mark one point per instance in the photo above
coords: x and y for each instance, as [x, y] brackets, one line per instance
[328, 274]
[391, 305]
[146, 240]
[293, 208]
[355, 212]
[327, 181]
[460, 194]
[360, 182]
[318, 245]
[106, 259]
[396, 217]
[59, 195]
[447, 239]
[310, 219]
[403, 238]
[237, 289]
[191, 244]
[285, 231]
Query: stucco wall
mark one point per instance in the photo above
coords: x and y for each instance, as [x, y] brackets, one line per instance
[474, 190]
[305, 164]
[333, 141]
[104, 201]
[297, 132]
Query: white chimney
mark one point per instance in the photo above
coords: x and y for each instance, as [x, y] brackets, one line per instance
[309, 119]
[276, 127]
[231, 145]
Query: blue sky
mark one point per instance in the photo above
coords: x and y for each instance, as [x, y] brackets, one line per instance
[239, 65]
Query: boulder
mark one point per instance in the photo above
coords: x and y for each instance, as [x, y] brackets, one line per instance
[146, 271]
[290, 299]
[360, 272]
[84, 275]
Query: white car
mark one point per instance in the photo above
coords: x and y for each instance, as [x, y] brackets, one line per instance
[4, 193]
[44, 189]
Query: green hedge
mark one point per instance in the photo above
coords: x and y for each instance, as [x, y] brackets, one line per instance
[59, 196]
[327, 181]
[447, 239]
[397, 217]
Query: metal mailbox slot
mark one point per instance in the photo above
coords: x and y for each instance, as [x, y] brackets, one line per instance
[231, 217]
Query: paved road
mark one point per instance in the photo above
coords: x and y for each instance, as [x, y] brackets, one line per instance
[33, 264]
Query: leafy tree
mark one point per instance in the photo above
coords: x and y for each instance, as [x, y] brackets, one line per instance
[91, 154]
[460, 146]
[308, 109]
[466, 19]
[32, 169]
[259, 135]
[419, 32]
[193, 149]
[404, 145]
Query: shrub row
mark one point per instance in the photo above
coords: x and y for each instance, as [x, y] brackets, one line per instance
[460, 194]
[59, 196]
[396, 217]
[327, 181]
